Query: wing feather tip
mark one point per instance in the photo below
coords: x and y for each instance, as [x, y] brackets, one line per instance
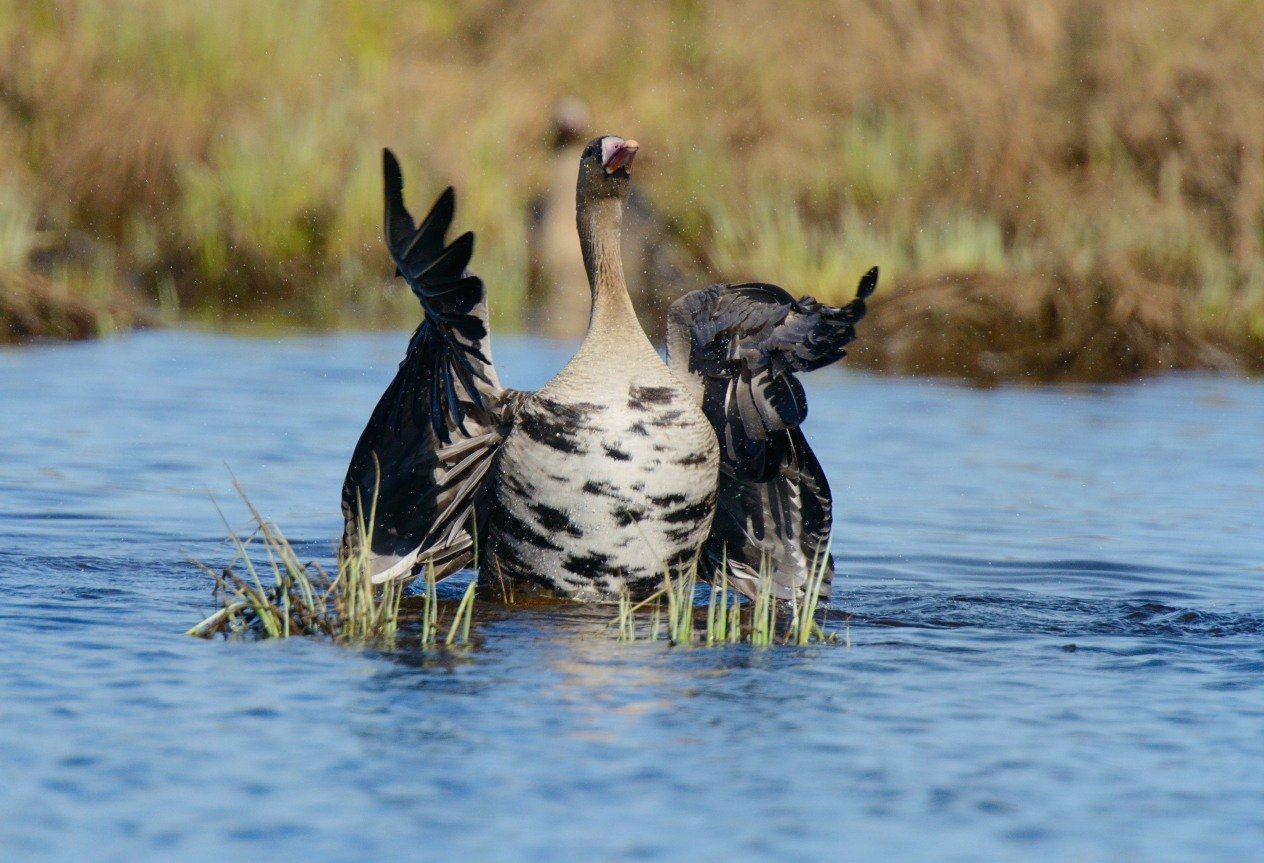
[868, 284]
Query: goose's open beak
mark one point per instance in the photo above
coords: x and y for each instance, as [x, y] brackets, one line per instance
[617, 154]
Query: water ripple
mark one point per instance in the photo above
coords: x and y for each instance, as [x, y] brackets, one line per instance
[1055, 654]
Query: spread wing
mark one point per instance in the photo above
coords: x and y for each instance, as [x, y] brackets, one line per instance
[742, 346]
[419, 470]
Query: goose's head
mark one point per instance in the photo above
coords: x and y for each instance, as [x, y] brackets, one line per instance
[605, 166]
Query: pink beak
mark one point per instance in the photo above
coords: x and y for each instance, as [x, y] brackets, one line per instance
[617, 153]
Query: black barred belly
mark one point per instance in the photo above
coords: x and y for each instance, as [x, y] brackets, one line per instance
[589, 498]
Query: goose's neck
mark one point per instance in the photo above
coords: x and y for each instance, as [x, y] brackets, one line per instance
[613, 317]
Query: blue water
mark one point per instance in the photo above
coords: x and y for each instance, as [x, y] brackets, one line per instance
[1057, 643]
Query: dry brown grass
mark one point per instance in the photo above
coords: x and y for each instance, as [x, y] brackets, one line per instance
[1090, 173]
[32, 306]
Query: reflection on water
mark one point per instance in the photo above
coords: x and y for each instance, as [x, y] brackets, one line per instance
[1056, 627]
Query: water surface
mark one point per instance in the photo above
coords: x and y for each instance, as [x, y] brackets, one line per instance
[1057, 638]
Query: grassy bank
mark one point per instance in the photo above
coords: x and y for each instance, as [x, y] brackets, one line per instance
[1068, 189]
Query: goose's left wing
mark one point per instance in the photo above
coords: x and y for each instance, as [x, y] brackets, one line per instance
[420, 468]
[741, 346]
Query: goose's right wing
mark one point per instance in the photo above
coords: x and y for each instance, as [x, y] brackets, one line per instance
[742, 346]
[419, 469]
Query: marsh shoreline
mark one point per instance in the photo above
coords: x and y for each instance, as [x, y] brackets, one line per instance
[982, 330]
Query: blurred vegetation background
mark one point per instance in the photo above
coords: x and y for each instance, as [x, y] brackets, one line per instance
[1067, 189]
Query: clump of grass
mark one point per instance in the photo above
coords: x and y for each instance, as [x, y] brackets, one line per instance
[673, 614]
[283, 596]
[724, 622]
[804, 627]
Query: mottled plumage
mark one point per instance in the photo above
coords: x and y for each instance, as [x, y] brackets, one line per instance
[609, 473]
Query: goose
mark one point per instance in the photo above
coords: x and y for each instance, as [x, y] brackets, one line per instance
[621, 466]
[657, 267]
